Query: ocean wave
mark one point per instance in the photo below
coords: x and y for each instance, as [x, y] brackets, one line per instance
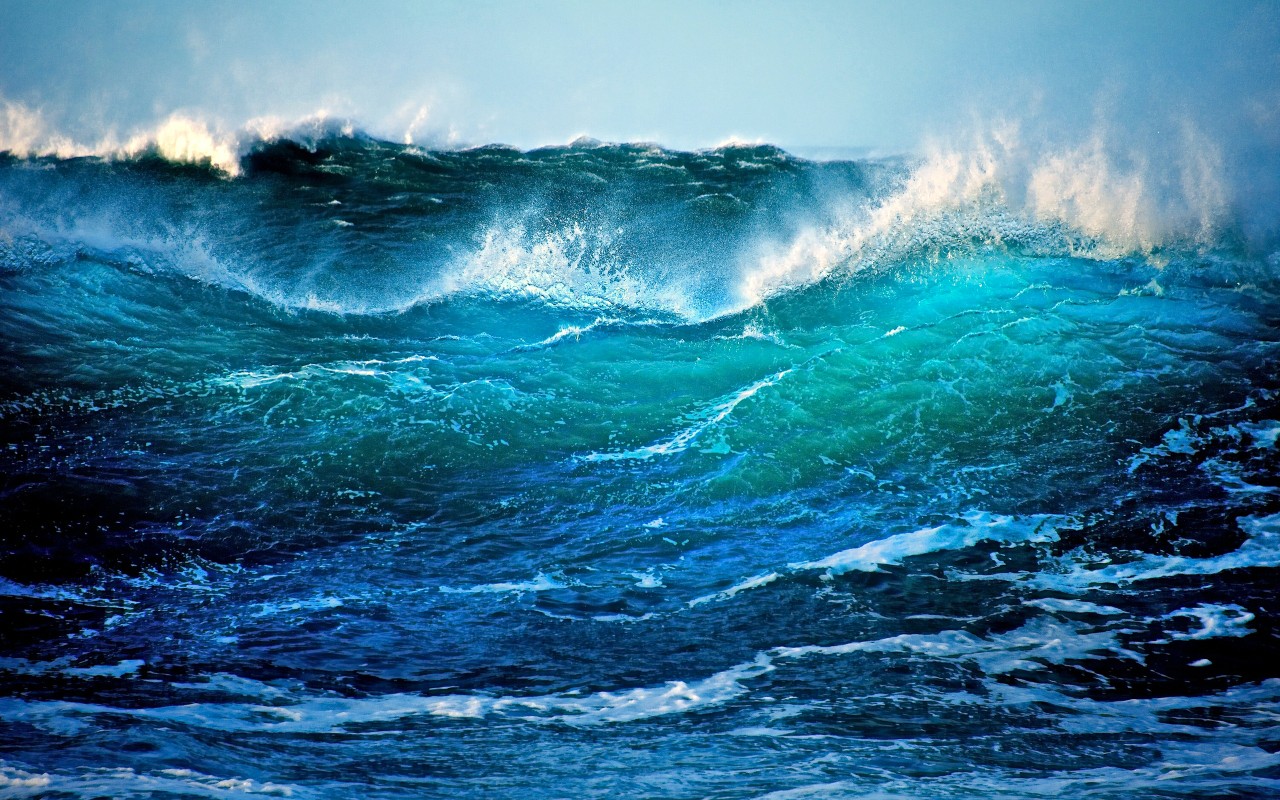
[598, 227]
[338, 463]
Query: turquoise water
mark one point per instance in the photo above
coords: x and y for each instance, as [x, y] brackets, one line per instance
[608, 470]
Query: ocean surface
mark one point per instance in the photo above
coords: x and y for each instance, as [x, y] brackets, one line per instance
[359, 470]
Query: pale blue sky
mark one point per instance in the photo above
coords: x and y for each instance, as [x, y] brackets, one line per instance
[686, 74]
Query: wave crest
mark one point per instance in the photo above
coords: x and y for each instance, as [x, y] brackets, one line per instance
[598, 227]
[179, 138]
[1093, 199]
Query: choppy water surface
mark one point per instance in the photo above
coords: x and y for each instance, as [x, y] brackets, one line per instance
[603, 471]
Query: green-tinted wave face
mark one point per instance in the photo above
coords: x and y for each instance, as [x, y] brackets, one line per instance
[382, 472]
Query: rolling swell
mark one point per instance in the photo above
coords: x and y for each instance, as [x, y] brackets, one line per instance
[381, 471]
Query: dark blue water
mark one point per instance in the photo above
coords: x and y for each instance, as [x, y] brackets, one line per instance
[606, 470]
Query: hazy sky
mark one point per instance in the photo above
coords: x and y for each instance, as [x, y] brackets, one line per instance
[687, 73]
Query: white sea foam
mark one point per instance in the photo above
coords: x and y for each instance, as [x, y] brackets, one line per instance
[974, 527]
[327, 714]
[120, 669]
[309, 604]
[541, 583]
[1093, 197]
[577, 266]
[682, 439]
[823, 791]
[1260, 549]
[120, 781]
[117, 670]
[1215, 620]
[1264, 434]
[647, 579]
[1060, 605]
[576, 332]
[1039, 642]
[732, 591]
[755, 333]
[181, 137]
[977, 527]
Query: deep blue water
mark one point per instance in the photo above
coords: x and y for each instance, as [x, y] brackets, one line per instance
[606, 470]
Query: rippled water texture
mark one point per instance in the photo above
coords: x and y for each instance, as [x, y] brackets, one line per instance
[602, 471]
